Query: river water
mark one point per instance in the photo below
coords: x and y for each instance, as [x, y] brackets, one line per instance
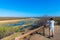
[19, 23]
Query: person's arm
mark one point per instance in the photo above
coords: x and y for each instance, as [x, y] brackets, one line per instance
[48, 23]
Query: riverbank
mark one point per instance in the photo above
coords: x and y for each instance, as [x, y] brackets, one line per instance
[9, 21]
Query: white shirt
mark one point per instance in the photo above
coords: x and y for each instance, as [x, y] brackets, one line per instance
[51, 23]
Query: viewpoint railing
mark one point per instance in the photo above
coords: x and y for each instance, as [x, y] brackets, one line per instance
[30, 32]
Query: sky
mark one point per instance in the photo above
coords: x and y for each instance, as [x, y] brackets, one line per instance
[29, 8]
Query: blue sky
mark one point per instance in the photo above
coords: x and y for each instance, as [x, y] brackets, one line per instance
[29, 8]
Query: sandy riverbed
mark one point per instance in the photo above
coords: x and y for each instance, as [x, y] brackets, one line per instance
[9, 21]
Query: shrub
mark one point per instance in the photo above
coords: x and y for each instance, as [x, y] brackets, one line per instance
[6, 31]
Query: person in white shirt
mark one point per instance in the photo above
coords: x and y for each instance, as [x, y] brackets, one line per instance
[51, 27]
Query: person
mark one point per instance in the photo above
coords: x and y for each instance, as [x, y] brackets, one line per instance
[51, 27]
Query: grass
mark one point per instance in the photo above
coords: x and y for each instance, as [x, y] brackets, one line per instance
[6, 31]
[11, 37]
[9, 33]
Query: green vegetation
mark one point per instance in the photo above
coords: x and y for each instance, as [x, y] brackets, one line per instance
[11, 37]
[7, 31]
